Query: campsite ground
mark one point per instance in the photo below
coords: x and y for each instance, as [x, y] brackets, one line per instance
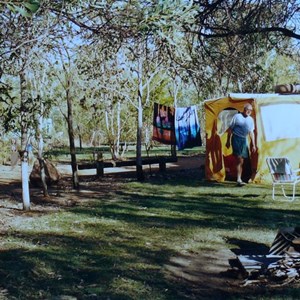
[206, 275]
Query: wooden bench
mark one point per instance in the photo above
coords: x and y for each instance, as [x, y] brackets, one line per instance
[100, 165]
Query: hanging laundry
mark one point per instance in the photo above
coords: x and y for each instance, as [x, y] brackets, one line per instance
[163, 124]
[187, 128]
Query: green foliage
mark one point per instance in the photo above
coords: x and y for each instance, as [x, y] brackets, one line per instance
[9, 108]
[102, 54]
[26, 8]
[5, 151]
[32, 5]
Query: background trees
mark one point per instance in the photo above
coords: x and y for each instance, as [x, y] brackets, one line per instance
[237, 38]
[22, 40]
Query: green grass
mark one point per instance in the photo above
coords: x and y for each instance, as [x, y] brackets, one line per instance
[116, 246]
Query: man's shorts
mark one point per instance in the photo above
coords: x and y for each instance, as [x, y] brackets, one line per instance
[240, 146]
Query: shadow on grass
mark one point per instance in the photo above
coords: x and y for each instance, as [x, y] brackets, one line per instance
[124, 258]
[247, 247]
[223, 211]
[84, 268]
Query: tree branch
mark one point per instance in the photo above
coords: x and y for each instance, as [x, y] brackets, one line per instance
[284, 31]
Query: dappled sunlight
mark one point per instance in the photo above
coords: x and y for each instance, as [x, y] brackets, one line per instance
[172, 237]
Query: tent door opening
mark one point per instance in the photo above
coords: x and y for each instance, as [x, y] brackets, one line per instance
[229, 160]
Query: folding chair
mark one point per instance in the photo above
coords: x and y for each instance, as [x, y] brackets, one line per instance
[283, 174]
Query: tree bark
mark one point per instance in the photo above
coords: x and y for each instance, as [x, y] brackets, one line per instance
[71, 140]
[23, 152]
[79, 136]
[117, 154]
[139, 163]
[42, 162]
[25, 181]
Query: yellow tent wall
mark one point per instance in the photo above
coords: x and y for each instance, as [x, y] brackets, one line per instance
[216, 151]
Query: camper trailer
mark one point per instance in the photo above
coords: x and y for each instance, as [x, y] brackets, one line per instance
[277, 132]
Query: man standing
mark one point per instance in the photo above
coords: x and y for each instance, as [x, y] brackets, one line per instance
[240, 127]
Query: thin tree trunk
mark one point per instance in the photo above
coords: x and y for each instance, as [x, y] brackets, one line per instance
[40, 129]
[25, 183]
[72, 142]
[42, 164]
[80, 137]
[139, 163]
[92, 143]
[117, 154]
[175, 91]
[24, 154]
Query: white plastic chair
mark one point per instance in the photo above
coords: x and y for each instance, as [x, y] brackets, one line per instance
[283, 175]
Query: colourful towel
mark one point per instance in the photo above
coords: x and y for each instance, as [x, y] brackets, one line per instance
[187, 128]
[163, 124]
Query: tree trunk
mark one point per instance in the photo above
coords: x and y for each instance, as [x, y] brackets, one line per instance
[109, 122]
[118, 129]
[80, 137]
[23, 153]
[92, 143]
[41, 162]
[139, 163]
[72, 142]
[25, 182]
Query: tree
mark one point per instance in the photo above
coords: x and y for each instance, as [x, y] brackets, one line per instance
[68, 84]
[223, 18]
[235, 36]
[40, 91]
[104, 78]
[21, 37]
[145, 48]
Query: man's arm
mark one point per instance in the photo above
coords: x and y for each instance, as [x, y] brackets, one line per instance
[252, 137]
[229, 134]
